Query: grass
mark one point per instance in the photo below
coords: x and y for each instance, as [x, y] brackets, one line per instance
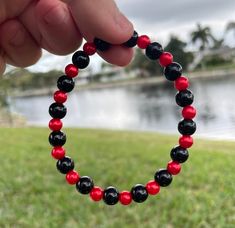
[34, 194]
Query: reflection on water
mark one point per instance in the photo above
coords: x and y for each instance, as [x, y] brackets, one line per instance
[142, 107]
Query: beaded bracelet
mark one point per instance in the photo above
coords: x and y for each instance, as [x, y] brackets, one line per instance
[179, 154]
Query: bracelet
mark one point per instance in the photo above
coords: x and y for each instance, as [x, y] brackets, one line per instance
[186, 127]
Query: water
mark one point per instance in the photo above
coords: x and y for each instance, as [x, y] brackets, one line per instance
[142, 107]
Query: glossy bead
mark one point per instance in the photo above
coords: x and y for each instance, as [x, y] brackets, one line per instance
[65, 83]
[181, 83]
[163, 177]
[189, 112]
[187, 127]
[125, 198]
[72, 177]
[154, 51]
[55, 124]
[111, 195]
[71, 71]
[96, 193]
[57, 138]
[165, 59]
[101, 45]
[173, 71]
[139, 193]
[152, 187]
[184, 98]
[85, 185]
[80, 59]
[58, 152]
[132, 41]
[89, 48]
[57, 111]
[186, 141]
[60, 96]
[65, 165]
[179, 154]
[173, 167]
[143, 41]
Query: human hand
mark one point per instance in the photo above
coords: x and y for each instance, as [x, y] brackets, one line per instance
[27, 26]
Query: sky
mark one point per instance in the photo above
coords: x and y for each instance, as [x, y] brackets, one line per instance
[159, 19]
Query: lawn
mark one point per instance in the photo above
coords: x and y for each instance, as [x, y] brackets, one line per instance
[34, 194]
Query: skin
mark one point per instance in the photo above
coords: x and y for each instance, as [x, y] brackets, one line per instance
[28, 26]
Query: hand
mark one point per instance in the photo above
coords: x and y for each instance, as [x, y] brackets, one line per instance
[27, 26]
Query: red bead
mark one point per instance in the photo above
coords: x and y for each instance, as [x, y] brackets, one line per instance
[71, 71]
[72, 177]
[89, 48]
[125, 197]
[143, 41]
[153, 187]
[186, 141]
[181, 83]
[173, 167]
[60, 97]
[55, 124]
[189, 112]
[58, 152]
[165, 59]
[96, 193]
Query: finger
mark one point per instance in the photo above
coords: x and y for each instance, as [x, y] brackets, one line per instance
[19, 47]
[2, 65]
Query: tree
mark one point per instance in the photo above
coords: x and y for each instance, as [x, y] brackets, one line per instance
[230, 27]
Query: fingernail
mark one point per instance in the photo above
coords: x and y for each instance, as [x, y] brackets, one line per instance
[55, 16]
[18, 39]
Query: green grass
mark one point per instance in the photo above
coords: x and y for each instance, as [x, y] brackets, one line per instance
[34, 194]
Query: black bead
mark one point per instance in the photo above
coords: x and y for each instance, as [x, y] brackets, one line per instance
[184, 98]
[111, 195]
[101, 45]
[163, 177]
[154, 51]
[57, 138]
[65, 84]
[139, 193]
[57, 110]
[84, 185]
[65, 165]
[179, 154]
[132, 41]
[187, 127]
[80, 59]
[173, 71]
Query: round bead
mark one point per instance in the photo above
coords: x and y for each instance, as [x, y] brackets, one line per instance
[65, 84]
[184, 98]
[89, 48]
[71, 71]
[154, 51]
[101, 45]
[187, 127]
[181, 83]
[173, 71]
[72, 177]
[163, 177]
[57, 111]
[125, 198]
[55, 124]
[60, 96]
[165, 59]
[179, 154]
[173, 167]
[132, 41]
[58, 152]
[152, 187]
[111, 195]
[80, 59]
[186, 141]
[57, 138]
[65, 165]
[143, 41]
[189, 112]
[139, 193]
[85, 185]
[96, 193]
